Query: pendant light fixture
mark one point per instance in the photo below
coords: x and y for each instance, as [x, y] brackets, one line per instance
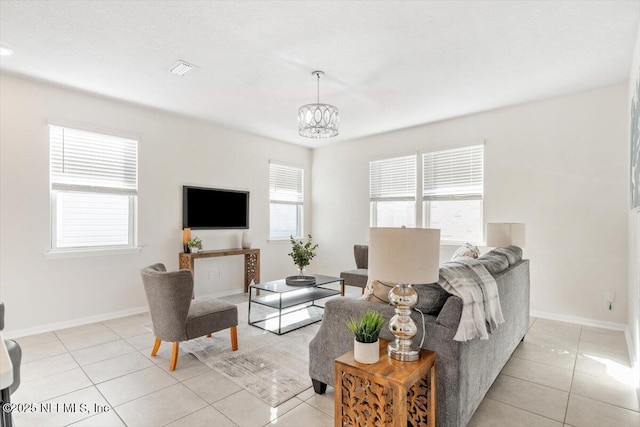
[318, 120]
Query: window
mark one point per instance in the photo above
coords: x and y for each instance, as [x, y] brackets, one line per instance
[94, 187]
[392, 192]
[286, 197]
[452, 190]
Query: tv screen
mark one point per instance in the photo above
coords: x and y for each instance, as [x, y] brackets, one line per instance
[212, 208]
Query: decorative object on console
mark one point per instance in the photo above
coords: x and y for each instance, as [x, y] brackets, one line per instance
[318, 120]
[468, 250]
[302, 253]
[300, 280]
[194, 245]
[186, 236]
[366, 348]
[503, 234]
[392, 257]
[246, 240]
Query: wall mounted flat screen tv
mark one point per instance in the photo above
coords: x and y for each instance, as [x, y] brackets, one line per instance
[213, 208]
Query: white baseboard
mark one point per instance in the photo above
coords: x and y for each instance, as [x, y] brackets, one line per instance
[71, 323]
[579, 320]
[7, 334]
[635, 363]
[226, 293]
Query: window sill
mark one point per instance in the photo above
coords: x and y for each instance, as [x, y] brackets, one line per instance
[282, 240]
[80, 253]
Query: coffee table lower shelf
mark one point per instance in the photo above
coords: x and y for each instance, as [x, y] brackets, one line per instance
[287, 304]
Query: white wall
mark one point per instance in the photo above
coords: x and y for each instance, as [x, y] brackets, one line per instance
[559, 165]
[634, 239]
[173, 151]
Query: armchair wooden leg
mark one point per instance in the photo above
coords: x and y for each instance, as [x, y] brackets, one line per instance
[174, 356]
[156, 346]
[234, 338]
[208, 335]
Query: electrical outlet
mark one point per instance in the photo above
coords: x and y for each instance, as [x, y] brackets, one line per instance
[609, 297]
[220, 275]
[211, 275]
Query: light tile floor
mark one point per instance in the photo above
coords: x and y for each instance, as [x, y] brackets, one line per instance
[562, 374]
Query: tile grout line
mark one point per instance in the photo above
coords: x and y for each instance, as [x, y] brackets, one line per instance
[525, 410]
[535, 383]
[573, 374]
[93, 385]
[90, 379]
[594, 376]
[542, 363]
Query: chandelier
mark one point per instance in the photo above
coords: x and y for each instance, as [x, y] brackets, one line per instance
[318, 120]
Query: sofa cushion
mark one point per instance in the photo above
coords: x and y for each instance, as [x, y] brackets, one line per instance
[512, 253]
[494, 262]
[377, 291]
[467, 250]
[431, 296]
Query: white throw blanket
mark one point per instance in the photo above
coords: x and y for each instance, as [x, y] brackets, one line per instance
[481, 312]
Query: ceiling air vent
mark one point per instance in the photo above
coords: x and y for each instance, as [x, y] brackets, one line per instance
[181, 68]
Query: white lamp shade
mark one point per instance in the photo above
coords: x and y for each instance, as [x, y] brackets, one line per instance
[404, 255]
[505, 234]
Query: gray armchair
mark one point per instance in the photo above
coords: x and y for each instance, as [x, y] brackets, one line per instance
[360, 275]
[177, 317]
[15, 354]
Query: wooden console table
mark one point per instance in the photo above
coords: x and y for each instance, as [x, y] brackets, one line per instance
[386, 393]
[251, 262]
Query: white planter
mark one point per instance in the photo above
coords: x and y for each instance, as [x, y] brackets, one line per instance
[366, 352]
[195, 250]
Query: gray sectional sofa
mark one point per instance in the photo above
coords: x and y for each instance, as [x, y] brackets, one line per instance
[465, 370]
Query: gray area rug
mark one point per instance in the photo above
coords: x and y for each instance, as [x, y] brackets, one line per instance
[273, 368]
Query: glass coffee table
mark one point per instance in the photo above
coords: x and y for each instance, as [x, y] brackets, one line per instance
[290, 301]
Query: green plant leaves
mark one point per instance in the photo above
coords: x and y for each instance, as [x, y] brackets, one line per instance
[302, 253]
[368, 330]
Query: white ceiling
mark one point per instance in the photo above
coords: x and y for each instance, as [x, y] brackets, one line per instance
[388, 65]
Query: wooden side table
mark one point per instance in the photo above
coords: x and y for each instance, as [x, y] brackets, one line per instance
[387, 393]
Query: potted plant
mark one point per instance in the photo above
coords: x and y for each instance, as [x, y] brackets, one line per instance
[365, 343]
[302, 253]
[194, 245]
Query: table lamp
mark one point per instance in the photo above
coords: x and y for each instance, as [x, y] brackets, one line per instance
[500, 234]
[404, 256]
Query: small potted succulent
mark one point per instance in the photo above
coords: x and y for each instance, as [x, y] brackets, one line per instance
[365, 343]
[194, 245]
[302, 253]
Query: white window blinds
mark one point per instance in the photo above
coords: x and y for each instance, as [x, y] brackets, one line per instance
[393, 179]
[98, 162]
[453, 174]
[94, 185]
[286, 183]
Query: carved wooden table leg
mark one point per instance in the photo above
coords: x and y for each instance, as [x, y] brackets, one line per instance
[251, 269]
